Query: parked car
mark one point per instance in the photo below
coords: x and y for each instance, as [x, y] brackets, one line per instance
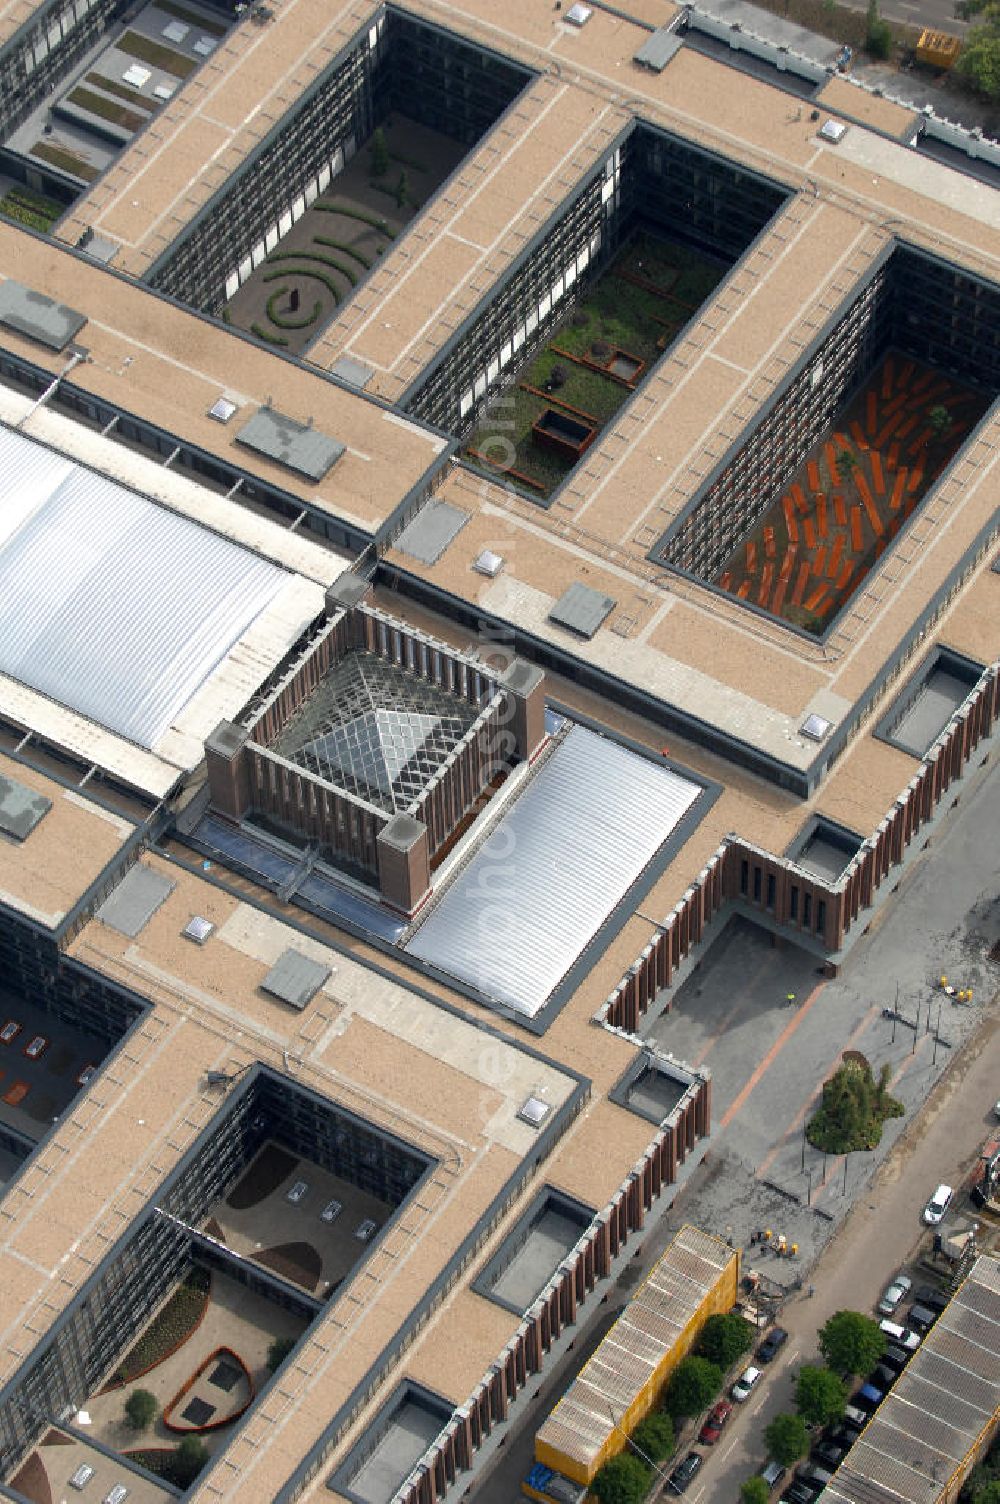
[922, 1318]
[828, 1454]
[868, 1397]
[843, 1435]
[901, 1335]
[883, 1377]
[684, 1472]
[855, 1417]
[331, 1211]
[894, 1293]
[296, 1192]
[366, 1230]
[36, 1046]
[814, 1476]
[744, 1384]
[896, 1357]
[798, 1492]
[931, 1297]
[714, 1422]
[772, 1344]
[10, 1031]
[938, 1205]
[772, 1473]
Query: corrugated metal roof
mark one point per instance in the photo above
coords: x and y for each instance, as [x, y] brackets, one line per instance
[514, 921]
[942, 1402]
[622, 1364]
[110, 604]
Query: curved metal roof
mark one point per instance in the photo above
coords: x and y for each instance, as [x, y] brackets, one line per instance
[516, 918]
[110, 604]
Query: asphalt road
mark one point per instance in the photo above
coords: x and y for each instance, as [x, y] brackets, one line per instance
[768, 1059]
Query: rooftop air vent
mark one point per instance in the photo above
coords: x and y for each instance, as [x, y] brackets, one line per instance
[489, 564]
[222, 410]
[579, 15]
[198, 929]
[816, 727]
[833, 131]
[535, 1111]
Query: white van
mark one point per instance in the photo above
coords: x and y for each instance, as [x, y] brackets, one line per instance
[938, 1205]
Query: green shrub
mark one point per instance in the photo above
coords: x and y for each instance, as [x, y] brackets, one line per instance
[787, 1439]
[148, 51]
[278, 1352]
[189, 1459]
[853, 1109]
[724, 1339]
[654, 1436]
[66, 161]
[267, 334]
[693, 1385]
[348, 250]
[192, 17]
[820, 1396]
[623, 1480]
[851, 1343]
[31, 209]
[338, 266]
[380, 154]
[755, 1491]
[140, 1410]
[107, 109]
[351, 213]
[302, 271]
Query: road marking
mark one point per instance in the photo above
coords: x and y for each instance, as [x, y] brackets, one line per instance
[772, 1054]
[734, 1443]
[792, 1355]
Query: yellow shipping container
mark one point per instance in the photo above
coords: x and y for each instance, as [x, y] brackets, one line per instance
[623, 1379]
[938, 49]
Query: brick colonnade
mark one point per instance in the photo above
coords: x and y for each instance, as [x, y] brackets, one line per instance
[788, 896]
[524, 1355]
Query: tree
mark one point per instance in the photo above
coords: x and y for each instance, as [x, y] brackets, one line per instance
[380, 154]
[402, 188]
[654, 1436]
[188, 1461]
[820, 1396]
[140, 1409]
[979, 59]
[939, 422]
[623, 1480]
[853, 1109]
[755, 1491]
[851, 1343]
[988, 1494]
[278, 1352]
[878, 33]
[694, 1384]
[787, 1439]
[724, 1339]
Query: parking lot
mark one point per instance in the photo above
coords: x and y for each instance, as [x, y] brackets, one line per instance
[34, 1092]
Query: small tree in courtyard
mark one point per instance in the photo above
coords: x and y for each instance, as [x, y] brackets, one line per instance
[787, 1439]
[878, 33]
[402, 189]
[755, 1491]
[140, 1409]
[623, 1480]
[380, 154]
[851, 1343]
[278, 1352]
[988, 1494]
[939, 422]
[820, 1396]
[724, 1339]
[693, 1385]
[189, 1459]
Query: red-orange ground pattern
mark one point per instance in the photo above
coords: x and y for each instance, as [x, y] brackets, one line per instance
[848, 499]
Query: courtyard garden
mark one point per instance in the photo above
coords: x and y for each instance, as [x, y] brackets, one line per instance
[591, 362]
[316, 266]
[845, 503]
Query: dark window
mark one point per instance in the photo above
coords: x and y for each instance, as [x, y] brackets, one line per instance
[744, 876]
[756, 884]
[770, 890]
[807, 904]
